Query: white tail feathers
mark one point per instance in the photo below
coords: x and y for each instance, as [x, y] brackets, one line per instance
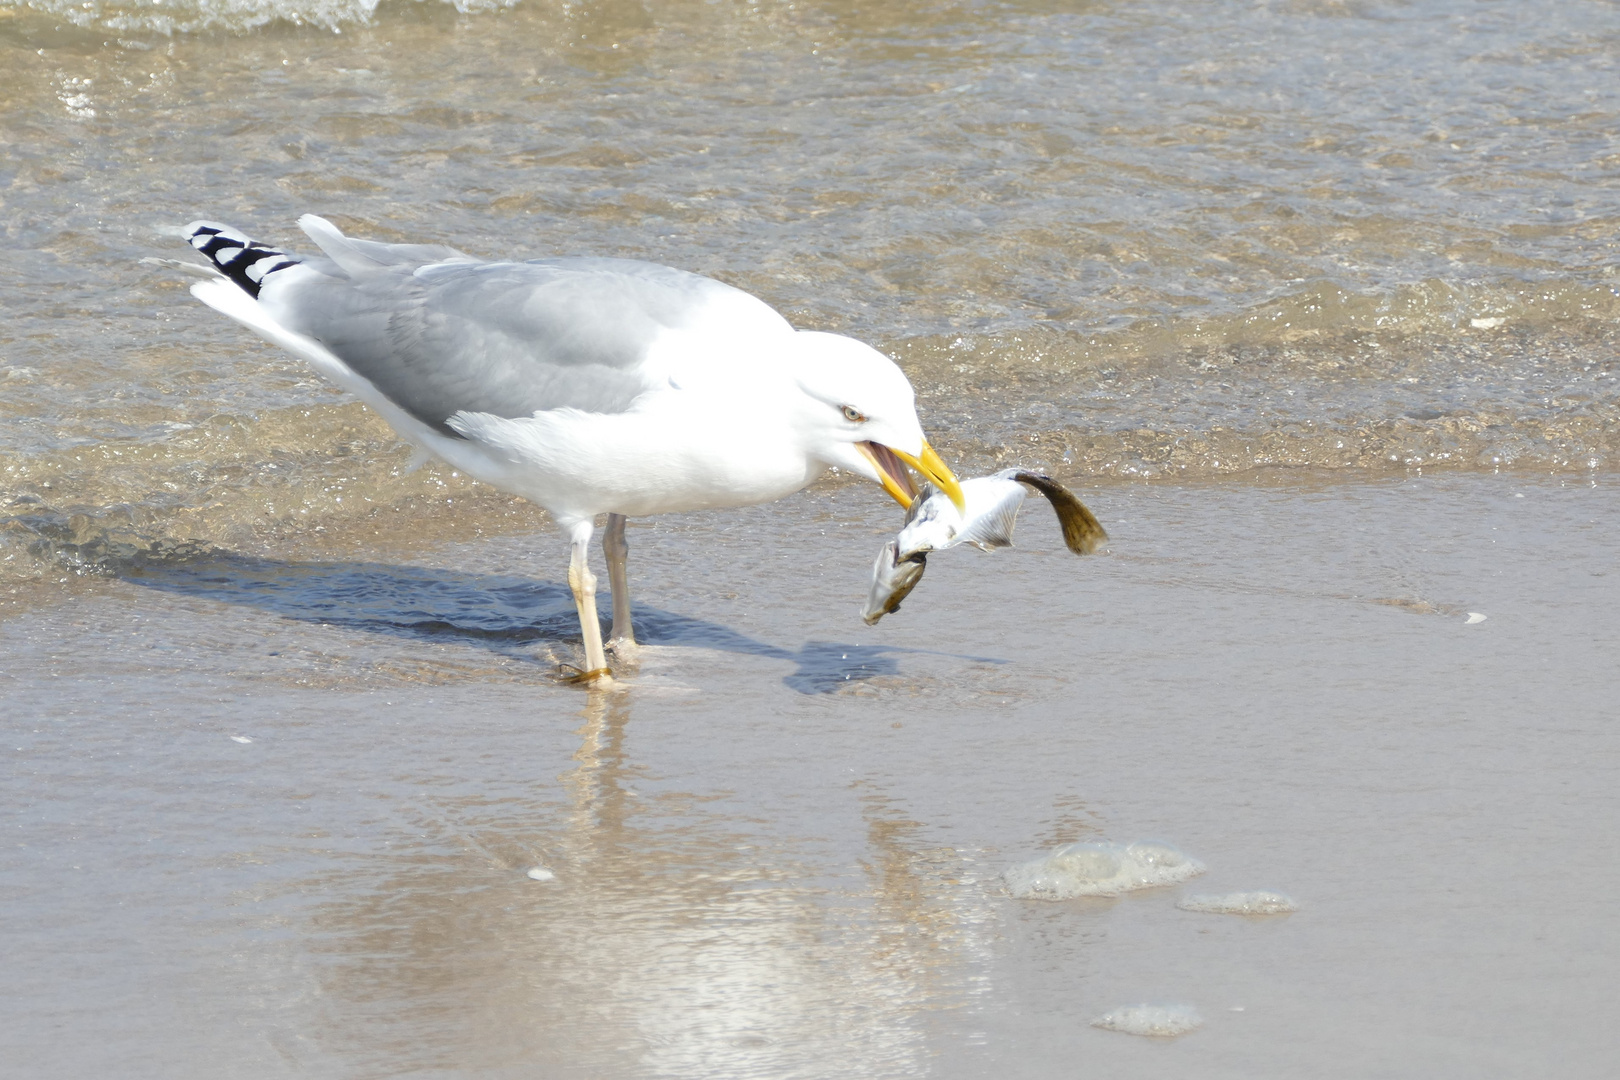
[368, 256]
[335, 246]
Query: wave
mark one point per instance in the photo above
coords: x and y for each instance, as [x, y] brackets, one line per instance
[170, 17]
[310, 477]
[1434, 377]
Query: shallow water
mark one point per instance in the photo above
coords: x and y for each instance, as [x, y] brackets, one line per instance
[1126, 240]
[777, 850]
[1313, 303]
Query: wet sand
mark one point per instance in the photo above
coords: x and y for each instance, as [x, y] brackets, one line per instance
[776, 847]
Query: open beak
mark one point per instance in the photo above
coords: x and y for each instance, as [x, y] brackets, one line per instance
[897, 481]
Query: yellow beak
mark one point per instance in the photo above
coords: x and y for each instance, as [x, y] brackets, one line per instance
[930, 466]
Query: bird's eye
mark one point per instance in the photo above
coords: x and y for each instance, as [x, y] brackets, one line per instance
[853, 415]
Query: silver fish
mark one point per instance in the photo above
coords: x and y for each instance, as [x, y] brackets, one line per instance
[933, 523]
[992, 503]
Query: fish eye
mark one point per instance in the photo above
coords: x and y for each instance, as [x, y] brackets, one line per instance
[853, 415]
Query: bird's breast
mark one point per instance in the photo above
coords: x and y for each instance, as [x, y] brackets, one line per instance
[657, 459]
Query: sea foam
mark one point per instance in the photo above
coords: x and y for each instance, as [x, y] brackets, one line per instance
[1161, 1021]
[1100, 869]
[184, 16]
[1240, 903]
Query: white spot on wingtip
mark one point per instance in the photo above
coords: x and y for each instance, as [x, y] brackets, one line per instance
[240, 739]
[540, 873]
[1474, 617]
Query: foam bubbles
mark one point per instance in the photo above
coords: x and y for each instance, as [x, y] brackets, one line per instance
[1100, 869]
[1158, 1021]
[192, 15]
[1240, 903]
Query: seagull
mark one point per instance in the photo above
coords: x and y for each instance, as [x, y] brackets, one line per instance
[588, 386]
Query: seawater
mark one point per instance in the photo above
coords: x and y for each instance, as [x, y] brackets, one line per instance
[1117, 241]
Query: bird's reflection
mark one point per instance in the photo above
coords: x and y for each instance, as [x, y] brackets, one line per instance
[595, 784]
[927, 889]
[677, 938]
[507, 614]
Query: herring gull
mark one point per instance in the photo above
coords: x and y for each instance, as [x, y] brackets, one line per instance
[587, 386]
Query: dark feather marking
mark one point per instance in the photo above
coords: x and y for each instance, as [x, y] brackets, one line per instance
[236, 255]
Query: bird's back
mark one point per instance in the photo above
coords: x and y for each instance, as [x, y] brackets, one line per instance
[438, 333]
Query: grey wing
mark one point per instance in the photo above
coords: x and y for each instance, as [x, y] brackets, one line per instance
[510, 339]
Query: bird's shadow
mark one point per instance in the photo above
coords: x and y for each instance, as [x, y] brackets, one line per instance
[493, 611]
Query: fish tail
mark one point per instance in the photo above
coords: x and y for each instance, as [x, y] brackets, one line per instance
[1082, 532]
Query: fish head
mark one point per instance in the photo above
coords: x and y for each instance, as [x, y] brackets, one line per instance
[893, 578]
[931, 523]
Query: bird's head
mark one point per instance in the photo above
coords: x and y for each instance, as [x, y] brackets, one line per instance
[862, 416]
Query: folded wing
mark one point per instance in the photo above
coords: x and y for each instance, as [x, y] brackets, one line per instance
[439, 333]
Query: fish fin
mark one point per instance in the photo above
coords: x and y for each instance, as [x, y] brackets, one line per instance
[924, 492]
[1082, 532]
[994, 527]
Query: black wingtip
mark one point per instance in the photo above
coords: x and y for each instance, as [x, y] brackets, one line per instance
[240, 258]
